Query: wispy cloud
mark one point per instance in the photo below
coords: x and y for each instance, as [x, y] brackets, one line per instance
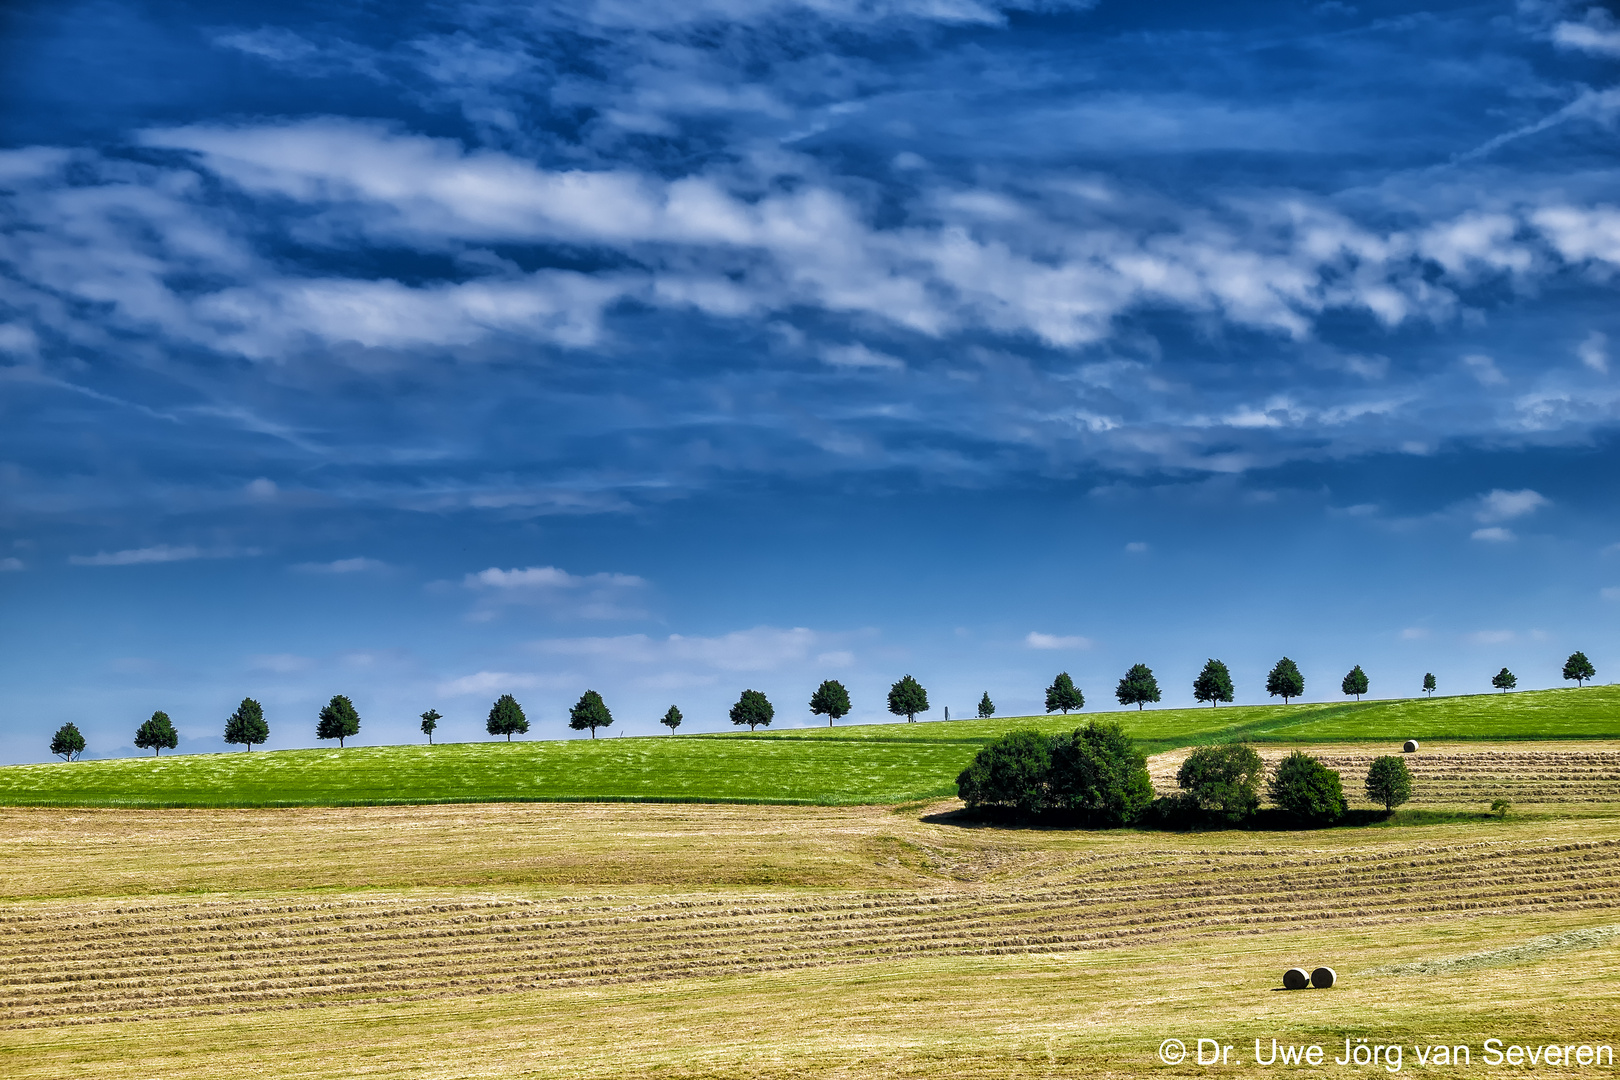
[592, 596]
[1500, 505]
[1037, 640]
[161, 553]
[358, 565]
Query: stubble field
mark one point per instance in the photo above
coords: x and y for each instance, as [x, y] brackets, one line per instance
[618, 940]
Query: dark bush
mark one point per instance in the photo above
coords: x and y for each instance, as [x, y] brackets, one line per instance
[1098, 776]
[1011, 772]
[1223, 780]
[1306, 788]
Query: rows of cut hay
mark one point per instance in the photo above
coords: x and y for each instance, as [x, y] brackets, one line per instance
[91, 961]
[1471, 776]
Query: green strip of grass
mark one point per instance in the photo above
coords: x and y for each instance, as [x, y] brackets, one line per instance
[879, 763]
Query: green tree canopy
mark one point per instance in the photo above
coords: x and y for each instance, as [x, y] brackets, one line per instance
[1389, 781]
[987, 708]
[246, 726]
[590, 711]
[1305, 787]
[830, 700]
[506, 718]
[672, 719]
[157, 734]
[907, 698]
[430, 721]
[753, 708]
[1428, 683]
[1011, 772]
[1355, 682]
[1504, 680]
[1062, 695]
[1098, 775]
[1214, 683]
[338, 720]
[1137, 687]
[1223, 779]
[1285, 681]
[67, 743]
[1579, 668]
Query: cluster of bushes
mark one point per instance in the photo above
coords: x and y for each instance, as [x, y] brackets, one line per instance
[1094, 776]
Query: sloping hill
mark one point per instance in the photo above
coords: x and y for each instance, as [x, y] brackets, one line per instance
[877, 763]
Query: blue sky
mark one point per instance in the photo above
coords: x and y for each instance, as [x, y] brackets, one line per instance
[428, 352]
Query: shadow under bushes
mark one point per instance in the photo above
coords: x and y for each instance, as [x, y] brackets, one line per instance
[1170, 813]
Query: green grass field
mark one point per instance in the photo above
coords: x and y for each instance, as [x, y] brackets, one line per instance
[879, 763]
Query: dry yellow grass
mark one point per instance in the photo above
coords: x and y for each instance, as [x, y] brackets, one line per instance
[690, 941]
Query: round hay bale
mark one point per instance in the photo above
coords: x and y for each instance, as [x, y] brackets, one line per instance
[1295, 979]
[1411, 747]
[1323, 977]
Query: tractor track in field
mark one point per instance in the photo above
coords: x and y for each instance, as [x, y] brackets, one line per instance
[90, 961]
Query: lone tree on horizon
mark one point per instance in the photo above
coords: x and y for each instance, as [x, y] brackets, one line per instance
[1137, 687]
[1579, 668]
[506, 718]
[907, 698]
[246, 725]
[830, 700]
[1354, 683]
[590, 711]
[987, 708]
[1285, 681]
[1214, 684]
[1428, 683]
[1062, 695]
[338, 720]
[430, 720]
[67, 743]
[672, 719]
[157, 734]
[1504, 680]
[753, 708]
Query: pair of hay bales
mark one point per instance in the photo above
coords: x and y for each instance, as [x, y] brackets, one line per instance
[1296, 979]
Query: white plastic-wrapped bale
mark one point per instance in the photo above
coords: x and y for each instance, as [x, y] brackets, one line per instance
[1295, 979]
[1323, 977]
[1411, 747]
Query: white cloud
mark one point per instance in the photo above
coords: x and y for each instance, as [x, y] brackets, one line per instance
[1491, 637]
[859, 356]
[262, 489]
[1484, 369]
[1594, 352]
[358, 565]
[1037, 640]
[1598, 34]
[162, 553]
[1136, 547]
[1499, 505]
[490, 683]
[1414, 633]
[1493, 534]
[10, 563]
[547, 577]
[762, 648]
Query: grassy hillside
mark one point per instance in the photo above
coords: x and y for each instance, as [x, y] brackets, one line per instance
[830, 766]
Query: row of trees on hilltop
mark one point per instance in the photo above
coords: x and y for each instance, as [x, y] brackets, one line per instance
[1213, 684]
[339, 719]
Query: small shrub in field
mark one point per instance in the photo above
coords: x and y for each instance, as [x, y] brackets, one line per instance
[1305, 787]
[1389, 781]
[1223, 779]
[1097, 775]
[1500, 807]
[1011, 772]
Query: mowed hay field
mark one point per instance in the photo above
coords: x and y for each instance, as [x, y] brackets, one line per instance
[829, 766]
[624, 940]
